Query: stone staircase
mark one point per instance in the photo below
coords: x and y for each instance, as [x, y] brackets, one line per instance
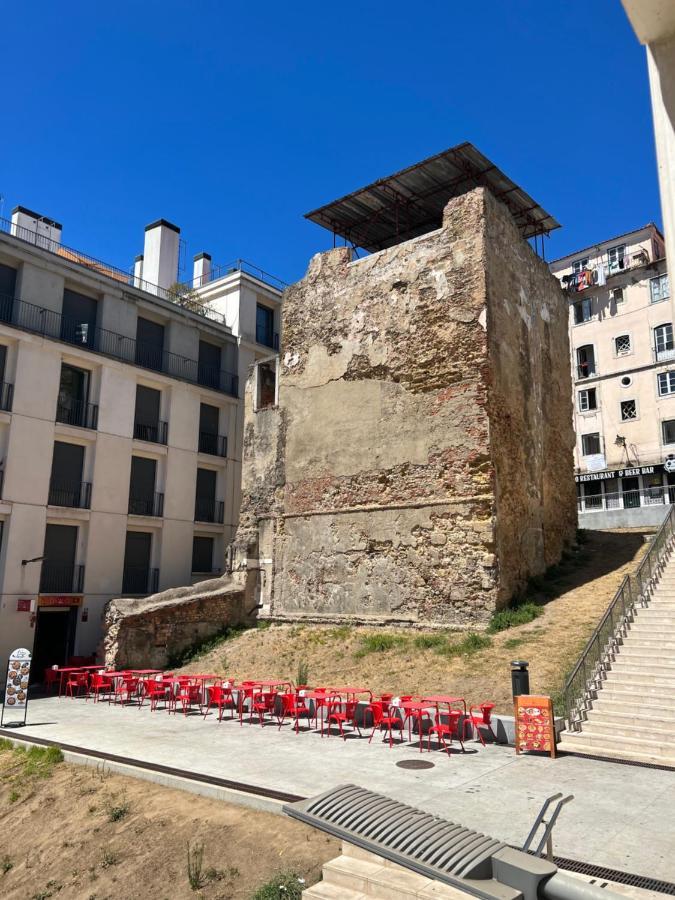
[633, 716]
[358, 875]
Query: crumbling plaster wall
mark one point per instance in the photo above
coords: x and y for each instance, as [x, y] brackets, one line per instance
[375, 486]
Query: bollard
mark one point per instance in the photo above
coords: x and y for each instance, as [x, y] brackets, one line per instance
[520, 678]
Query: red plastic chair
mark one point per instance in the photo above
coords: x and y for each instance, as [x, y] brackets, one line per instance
[77, 682]
[481, 719]
[221, 697]
[188, 695]
[262, 705]
[50, 679]
[155, 691]
[340, 713]
[126, 690]
[447, 725]
[99, 683]
[294, 708]
[382, 719]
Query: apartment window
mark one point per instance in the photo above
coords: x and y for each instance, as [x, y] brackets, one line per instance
[622, 344]
[7, 292]
[147, 424]
[207, 508]
[628, 410]
[663, 341]
[72, 407]
[668, 431]
[59, 573]
[149, 344]
[616, 258]
[66, 487]
[585, 361]
[143, 500]
[264, 325]
[583, 311]
[138, 577]
[666, 383]
[590, 444]
[580, 264]
[209, 440]
[616, 295]
[202, 554]
[587, 400]
[659, 288]
[78, 321]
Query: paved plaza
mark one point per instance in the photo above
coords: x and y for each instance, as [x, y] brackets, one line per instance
[622, 816]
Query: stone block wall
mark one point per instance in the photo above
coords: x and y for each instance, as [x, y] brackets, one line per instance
[147, 633]
[418, 467]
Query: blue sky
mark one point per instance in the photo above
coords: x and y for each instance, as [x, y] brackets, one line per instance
[232, 119]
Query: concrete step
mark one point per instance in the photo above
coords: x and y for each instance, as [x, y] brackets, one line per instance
[632, 650]
[579, 744]
[627, 725]
[647, 643]
[633, 738]
[651, 631]
[373, 879]
[654, 668]
[644, 750]
[616, 682]
[326, 891]
[635, 703]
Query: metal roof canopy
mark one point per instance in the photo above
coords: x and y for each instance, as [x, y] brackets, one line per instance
[411, 202]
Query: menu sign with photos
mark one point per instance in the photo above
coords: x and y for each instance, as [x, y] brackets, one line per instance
[16, 688]
[535, 724]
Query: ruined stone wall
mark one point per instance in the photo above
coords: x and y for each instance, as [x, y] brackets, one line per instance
[147, 633]
[529, 405]
[380, 489]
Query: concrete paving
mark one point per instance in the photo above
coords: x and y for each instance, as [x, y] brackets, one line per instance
[622, 817]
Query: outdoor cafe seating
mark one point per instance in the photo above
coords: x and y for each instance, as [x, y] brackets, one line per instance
[347, 711]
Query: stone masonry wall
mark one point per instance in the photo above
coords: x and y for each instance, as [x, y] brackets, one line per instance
[147, 633]
[387, 485]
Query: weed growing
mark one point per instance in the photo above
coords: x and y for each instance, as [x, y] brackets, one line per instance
[284, 886]
[512, 616]
[437, 642]
[201, 648]
[379, 643]
[6, 864]
[195, 861]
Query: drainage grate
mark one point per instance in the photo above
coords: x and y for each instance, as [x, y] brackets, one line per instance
[415, 764]
[620, 762]
[602, 874]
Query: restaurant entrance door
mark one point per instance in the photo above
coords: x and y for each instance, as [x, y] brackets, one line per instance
[54, 639]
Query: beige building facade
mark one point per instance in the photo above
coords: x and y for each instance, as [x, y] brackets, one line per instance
[623, 370]
[121, 426]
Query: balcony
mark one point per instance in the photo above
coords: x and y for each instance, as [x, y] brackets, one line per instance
[6, 396]
[155, 434]
[51, 324]
[152, 505]
[82, 415]
[207, 510]
[75, 495]
[140, 580]
[61, 578]
[213, 444]
[663, 354]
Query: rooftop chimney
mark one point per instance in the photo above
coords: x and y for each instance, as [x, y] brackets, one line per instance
[31, 226]
[138, 271]
[160, 255]
[201, 273]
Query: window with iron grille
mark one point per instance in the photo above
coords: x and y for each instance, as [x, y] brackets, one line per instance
[622, 344]
[666, 382]
[588, 400]
[668, 431]
[659, 288]
[628, 410]
[590, 443]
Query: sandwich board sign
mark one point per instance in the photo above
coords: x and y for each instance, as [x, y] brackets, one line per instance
[16, 687]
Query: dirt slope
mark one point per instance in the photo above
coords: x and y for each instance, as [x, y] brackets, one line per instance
[550, 643]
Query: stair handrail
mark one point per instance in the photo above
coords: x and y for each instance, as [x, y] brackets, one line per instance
[590, 670]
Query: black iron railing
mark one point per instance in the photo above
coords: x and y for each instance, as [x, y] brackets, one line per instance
[208, 510]
[267, 337]
[213, 444]
[83, 415]
[6, 396]
[55, 325]
[155, 432]
[140, 580]
[61, 578]
[586, 677]
[150, 505]
[73, 494]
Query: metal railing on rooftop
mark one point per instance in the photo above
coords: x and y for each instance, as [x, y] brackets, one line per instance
[53, 324]
[238, 265]
[590, 671]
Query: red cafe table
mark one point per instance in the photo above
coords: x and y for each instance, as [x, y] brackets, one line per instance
[415, 709]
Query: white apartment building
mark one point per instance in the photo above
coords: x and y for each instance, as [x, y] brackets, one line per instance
[623, 369]
[121, 418]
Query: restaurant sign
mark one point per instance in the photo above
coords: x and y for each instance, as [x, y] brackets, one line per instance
[618, 473]
[535, 724]
[16, 686]
[59, 600]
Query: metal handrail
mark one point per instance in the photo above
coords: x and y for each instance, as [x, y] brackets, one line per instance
[239, 265]
[597, 656]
